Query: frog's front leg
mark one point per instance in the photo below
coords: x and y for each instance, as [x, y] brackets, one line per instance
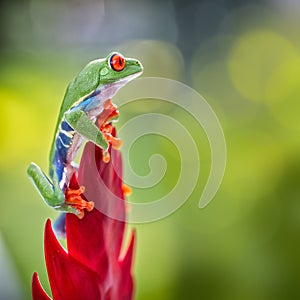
[70, 201]
[85, 127]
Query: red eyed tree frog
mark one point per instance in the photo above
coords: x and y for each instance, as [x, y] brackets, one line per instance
[86, 113]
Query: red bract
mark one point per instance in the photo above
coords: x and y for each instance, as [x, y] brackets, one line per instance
[93, 267]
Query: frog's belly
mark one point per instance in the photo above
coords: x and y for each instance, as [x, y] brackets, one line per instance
[74, 148]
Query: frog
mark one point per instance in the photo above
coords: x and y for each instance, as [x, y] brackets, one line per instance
[86, 114]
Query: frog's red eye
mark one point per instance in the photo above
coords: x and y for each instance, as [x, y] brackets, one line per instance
[117, 62]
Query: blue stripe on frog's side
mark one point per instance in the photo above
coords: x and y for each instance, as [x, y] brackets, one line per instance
[65, 126]
[65, 136]
[62, 144]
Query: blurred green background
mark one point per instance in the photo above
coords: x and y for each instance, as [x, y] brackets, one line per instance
[244, 58]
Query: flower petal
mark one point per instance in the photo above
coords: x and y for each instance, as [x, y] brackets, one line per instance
[125, 289]
[69, 279]
[38, 293]
[103, 183]
[126, 261]
[85, 240]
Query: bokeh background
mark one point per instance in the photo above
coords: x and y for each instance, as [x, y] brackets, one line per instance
[244, 58]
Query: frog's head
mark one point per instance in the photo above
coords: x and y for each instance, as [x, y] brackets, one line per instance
[118, 69]
[108, 75]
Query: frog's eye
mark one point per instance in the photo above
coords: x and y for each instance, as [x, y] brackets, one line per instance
[117, 62]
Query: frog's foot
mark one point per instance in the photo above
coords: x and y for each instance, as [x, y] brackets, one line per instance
[108, 114]
[111, 140]
[107, 131]
[73, 199]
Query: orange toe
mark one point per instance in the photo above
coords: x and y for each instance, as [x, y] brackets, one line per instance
[106, 157]
[73, 198]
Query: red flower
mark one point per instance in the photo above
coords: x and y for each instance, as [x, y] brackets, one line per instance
[93, 267]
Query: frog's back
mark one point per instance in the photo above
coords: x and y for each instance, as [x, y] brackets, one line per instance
[79, 88]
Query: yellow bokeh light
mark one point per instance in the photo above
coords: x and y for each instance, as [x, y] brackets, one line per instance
[253, 59]
[283, 92]
[21, 128]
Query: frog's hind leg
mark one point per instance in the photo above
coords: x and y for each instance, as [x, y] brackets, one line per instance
[69, 200]
[52, 196]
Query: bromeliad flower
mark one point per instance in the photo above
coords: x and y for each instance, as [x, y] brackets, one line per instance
[93, 266]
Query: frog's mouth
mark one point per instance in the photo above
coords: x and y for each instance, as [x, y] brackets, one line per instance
[109, 90]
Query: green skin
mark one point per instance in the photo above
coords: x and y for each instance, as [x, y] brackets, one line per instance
[95, 76]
